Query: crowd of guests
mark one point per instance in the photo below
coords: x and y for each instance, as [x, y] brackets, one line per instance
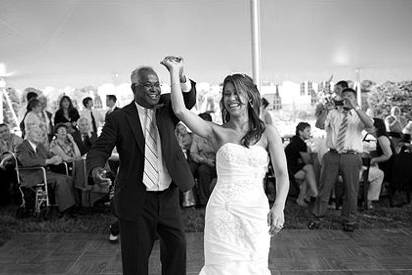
[330, 175]
[58, 141]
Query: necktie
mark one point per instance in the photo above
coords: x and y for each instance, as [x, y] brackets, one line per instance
[340, 143]
[93, 122]
[151, 162]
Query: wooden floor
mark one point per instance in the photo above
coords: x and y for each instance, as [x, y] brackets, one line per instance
[292, 252]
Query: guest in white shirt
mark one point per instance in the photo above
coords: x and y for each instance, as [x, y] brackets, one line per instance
[95, 119]
[343, 125]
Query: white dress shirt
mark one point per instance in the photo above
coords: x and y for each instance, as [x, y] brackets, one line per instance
[353, 136]
[164, 177]
[97, 117]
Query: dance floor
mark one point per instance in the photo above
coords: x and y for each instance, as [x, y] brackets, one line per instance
[292, 252]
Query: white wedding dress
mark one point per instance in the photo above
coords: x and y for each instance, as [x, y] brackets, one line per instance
[236, 237]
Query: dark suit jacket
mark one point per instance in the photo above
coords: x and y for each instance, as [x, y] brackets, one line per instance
[123, 130]
[107, 113]
[27, 157]
[84, 146]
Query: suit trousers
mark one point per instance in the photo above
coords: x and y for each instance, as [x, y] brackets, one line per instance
[160, 216]
[63, 190]
[348, 165]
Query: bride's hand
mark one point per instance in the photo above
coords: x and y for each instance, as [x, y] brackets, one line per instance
[173, 63]
[276, 219]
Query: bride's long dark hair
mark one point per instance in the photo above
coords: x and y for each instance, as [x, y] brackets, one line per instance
[244, 86]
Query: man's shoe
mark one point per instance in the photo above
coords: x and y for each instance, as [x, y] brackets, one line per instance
[113, 238]
[314, 225]
[348, 227]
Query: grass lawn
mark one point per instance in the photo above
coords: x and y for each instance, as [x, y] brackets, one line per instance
[93, 221]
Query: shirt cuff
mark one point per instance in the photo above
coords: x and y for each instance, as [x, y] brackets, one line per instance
[186, 86]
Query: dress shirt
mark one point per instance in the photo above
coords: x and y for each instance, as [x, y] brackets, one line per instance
[97, 118]
[33, 145]
[353, 136]
[164, 176]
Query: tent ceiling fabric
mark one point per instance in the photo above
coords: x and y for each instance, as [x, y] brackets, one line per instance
[85, 42]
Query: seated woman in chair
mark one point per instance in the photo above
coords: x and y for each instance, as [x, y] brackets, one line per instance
[63, 145]
[381, 164]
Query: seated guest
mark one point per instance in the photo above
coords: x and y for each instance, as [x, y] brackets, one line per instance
[84, 138]
[183, 138]
[32, 153]
[8, 143]
[381, 164]
[63, 145]
[300, 162]
[203, 164]
[395, 122]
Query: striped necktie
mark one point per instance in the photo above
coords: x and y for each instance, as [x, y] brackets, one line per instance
[151, 156]
[340, 143]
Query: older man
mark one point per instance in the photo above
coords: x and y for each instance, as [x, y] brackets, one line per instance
[32, 153]
[8, 143]
[152, 168]
[84, 138]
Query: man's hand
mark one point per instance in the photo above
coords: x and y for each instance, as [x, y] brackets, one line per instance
[100, 176]
[350, 103]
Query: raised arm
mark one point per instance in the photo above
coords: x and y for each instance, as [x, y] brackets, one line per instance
[195, 123]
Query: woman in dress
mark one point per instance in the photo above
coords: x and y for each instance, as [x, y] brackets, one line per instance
[63, 145]
[34, 118]
[67, 114]
[238, 221]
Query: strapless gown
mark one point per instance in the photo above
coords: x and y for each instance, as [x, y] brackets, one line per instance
[236, 235]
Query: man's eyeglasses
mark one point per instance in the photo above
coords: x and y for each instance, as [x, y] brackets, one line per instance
[147, 86]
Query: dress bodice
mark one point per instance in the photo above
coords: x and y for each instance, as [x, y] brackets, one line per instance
[240, 170]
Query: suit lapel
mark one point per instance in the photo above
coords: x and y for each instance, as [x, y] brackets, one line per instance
[134, 122]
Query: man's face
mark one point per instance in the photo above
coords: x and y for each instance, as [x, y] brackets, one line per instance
[83, 126]
[4, 132]
[109, 102]
[147, 90]
[305, 134]
[35, 135]
[348, 96]
[337, 89]
[89, 104]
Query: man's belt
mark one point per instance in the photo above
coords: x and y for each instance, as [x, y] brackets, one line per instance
[344, 152]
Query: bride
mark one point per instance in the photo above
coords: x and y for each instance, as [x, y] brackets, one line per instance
[238, 221]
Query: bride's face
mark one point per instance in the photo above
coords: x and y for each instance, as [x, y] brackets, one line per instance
[235, 103]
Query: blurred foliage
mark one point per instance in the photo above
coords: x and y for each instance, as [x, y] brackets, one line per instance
[382, 97]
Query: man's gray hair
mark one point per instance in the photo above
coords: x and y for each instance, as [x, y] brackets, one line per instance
[137, 73]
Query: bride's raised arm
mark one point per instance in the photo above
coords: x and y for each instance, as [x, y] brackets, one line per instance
[195, 123]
